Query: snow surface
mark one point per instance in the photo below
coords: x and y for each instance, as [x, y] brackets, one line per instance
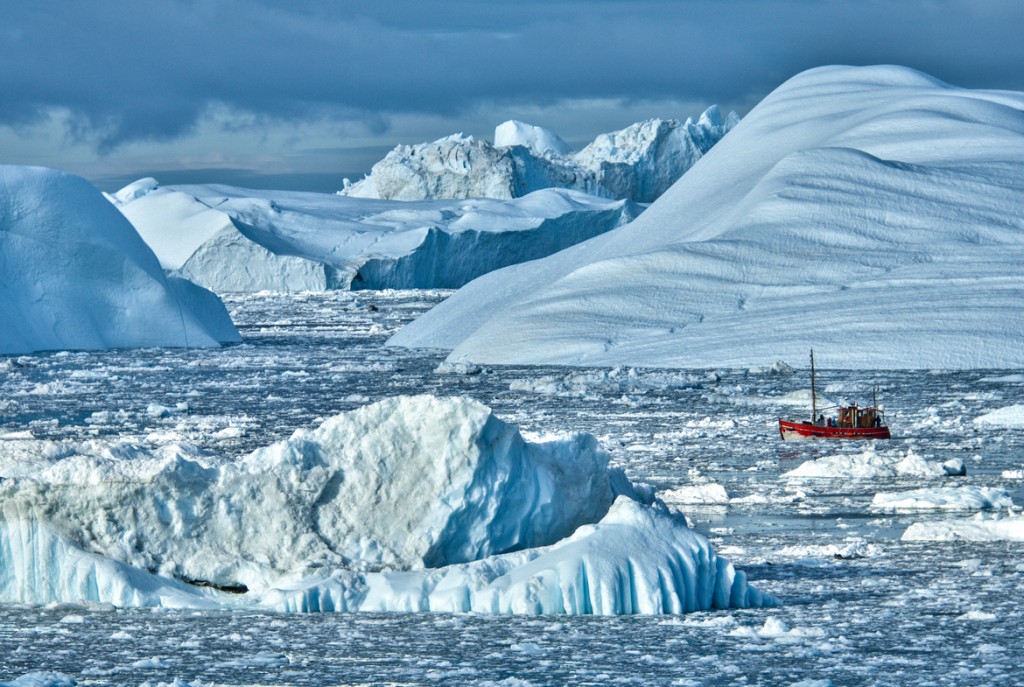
[233, 239]
[639, 162]
[536, 139]
[76, 275]
[411, 503]
[872, 213]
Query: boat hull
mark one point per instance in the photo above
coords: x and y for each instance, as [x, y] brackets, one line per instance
[800, 431]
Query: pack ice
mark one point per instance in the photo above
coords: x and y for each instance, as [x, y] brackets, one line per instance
[233, 239]
[412, 503]
[639, 162]
[874, 212]
[76, 275]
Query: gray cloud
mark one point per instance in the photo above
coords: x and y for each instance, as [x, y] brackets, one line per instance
[129, 72]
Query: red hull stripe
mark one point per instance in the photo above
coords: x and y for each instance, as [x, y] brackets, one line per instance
[800, 430]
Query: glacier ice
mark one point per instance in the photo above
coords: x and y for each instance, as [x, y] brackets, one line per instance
[76, 275]
[412, 503]
[639, 162]
[232, 239]
[869, 211]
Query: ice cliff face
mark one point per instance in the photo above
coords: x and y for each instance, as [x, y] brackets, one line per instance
[872, 212]
[639, 162]
[76, 275]
[413, 503]
[232, 239]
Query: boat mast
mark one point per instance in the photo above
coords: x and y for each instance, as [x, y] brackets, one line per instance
[814, 399]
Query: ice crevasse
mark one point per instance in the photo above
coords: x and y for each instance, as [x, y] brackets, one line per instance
[409, 504]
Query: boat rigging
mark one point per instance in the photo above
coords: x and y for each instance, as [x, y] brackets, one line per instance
[850, 422]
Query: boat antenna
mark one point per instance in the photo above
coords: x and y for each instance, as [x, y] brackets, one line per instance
[814, 399]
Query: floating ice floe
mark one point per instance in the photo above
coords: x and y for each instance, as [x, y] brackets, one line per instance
[76, 275]
[873, 205]
[412, 503]
[42, 679]
[1011, 417]
[965, 497]
[979, 528]
[235, 239]
[709, 494]
[870, 464]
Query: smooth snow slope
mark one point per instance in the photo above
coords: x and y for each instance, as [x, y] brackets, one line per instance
[233, 239]
[75, 275]
[873, 213]
[411, 503]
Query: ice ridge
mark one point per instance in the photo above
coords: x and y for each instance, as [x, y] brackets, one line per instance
[639, 162]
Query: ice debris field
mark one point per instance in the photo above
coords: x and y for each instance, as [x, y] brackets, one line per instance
[273, 510]
[925, 591]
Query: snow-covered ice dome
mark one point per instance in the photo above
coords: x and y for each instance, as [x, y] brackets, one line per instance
[234, 239]
[539, 140]
[76, 275]
[874, 212]
[411, 503]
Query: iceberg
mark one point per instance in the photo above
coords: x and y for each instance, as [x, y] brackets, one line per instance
[870, 210]
[76, 275]
[412, 503]
[639, 162]
[231, 239]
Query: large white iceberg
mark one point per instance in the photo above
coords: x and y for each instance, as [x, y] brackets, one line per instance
[639, 162]
[233, 239]
[873, 212]
[76, 275]
[412, 503]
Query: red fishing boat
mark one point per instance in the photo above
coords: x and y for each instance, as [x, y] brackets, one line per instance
[849, 422]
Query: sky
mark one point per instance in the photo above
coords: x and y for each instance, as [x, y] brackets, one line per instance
[299, 95]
